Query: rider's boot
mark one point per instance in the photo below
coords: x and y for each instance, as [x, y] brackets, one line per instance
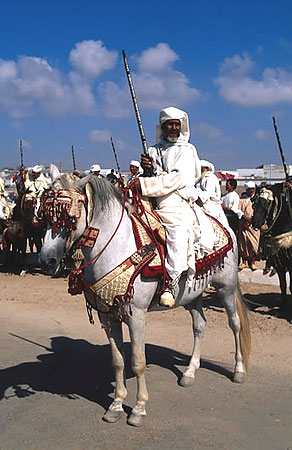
[167, 297]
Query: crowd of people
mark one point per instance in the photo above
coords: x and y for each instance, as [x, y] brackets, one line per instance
[183, 188]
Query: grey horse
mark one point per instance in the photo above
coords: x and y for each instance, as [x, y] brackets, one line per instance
[113, 246]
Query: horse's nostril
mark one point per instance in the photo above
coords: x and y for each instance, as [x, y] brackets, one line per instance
[52, 262]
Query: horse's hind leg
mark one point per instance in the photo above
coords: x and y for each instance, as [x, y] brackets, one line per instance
[283, 287]
[114, 333]
[136, 323]
[239, 324]
[199, 324]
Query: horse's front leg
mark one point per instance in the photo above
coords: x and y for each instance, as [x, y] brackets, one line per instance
[199, 325]
[136, 323]
[113, 328]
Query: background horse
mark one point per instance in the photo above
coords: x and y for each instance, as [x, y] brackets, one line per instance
[114, 244]
[273, 214]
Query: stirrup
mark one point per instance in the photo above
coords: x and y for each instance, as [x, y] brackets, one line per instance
[167, 297]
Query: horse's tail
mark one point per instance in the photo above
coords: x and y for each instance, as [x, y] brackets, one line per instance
[244, 333]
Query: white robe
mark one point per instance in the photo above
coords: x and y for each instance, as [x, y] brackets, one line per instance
[231, 200]
[176, 166]
[210, 193]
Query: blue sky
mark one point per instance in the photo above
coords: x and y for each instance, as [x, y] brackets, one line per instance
[62, 81]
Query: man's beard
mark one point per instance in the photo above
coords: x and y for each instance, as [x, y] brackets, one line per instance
[172, 139]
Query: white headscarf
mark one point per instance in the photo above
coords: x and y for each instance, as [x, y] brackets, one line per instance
[95, 168]
[209, 165]
[37, 169]
[249, 185]
[172, 113]
[135, 163]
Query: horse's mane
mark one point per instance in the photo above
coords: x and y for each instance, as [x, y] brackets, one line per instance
[105, 191]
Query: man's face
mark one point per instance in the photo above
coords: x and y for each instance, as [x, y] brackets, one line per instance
[171, 128]
[133, 169]
[229, 188]
[35, 175]
[250, 192]
[97, 172]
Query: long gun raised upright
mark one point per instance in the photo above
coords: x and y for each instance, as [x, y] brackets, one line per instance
[147, 172]
[73, 158]
[281, 150]
[116, 157]
[21, 155]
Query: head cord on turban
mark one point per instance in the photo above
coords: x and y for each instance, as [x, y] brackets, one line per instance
[172, 113]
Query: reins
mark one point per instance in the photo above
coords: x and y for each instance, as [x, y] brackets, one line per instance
[108, 242]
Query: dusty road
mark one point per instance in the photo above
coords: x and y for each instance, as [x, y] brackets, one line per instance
[56, 379]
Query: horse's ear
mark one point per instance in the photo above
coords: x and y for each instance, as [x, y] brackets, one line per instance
[79, 184]
[54, 173]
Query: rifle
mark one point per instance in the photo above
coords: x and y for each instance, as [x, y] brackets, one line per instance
[73, 158]
[148, 172]
[21, 155]
[116, 157]
[281, 150]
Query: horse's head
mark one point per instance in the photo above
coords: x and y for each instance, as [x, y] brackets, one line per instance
[63, 208]
[262, 203]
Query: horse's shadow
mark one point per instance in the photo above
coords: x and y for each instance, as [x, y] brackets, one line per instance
[75, 368]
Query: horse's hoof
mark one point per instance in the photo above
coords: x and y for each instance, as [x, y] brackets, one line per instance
[112, 416]
[186, 381]
[136, 420]
[239, 377]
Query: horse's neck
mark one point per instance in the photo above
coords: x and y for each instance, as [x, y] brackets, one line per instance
[117, 241]
[283, 223]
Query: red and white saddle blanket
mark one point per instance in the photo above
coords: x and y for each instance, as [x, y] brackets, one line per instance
[116, 287]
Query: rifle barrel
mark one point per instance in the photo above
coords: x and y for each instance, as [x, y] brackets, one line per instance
[73, 158]
[135, 104]
[281, 150]
[116, 157]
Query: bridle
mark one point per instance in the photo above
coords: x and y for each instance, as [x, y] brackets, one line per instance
[61, 209]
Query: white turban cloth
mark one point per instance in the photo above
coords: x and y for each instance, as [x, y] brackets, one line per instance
[37, 169]
[172, 113]
[209, 165]
[95, 168]
[135, 163]
[249, 185]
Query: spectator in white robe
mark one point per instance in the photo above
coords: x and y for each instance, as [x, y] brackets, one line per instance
[209, 192]
[176, 164]
[35, 186]
[230, 202]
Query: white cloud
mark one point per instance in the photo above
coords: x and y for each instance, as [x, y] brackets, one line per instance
[237, 86]
[31, 83]
[100, 136]
[90, 58]
[104, 137]
[157, 84]
[262, 135]
[211, 133]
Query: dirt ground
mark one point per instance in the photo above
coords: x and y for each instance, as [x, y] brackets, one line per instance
[56, 379]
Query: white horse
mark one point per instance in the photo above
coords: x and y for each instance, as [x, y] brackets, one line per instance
[113, 246]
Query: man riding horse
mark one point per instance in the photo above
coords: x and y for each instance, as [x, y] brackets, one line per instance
[176, 166]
